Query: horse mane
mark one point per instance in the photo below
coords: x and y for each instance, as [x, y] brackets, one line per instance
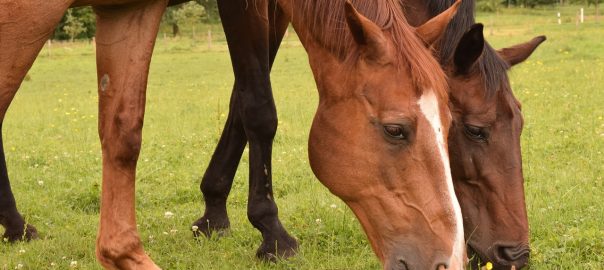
[492, 68]
[327, 24]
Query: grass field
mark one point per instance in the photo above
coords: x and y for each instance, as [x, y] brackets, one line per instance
[53, 155]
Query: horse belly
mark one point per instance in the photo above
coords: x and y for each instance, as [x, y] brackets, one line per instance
[81, 3]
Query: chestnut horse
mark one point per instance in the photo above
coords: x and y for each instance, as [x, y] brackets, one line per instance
[378, 139]
[484, 138]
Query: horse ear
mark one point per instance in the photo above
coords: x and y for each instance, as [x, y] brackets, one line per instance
[366, 34]
[469, 49]
[430, 31]
[517, 54]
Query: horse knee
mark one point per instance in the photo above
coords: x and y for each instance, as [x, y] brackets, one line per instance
[122, 138]
[260, 123]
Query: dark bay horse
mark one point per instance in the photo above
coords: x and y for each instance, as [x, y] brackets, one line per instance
[378, 140]
[484, 139]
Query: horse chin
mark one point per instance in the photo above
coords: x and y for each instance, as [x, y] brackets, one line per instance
[476, 259]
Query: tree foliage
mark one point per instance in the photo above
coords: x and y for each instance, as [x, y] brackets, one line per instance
[189, 13]
[73, 25]
[77, 23]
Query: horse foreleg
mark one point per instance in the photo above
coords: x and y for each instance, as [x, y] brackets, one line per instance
[125, 40]
[247, 29]
[24, 27]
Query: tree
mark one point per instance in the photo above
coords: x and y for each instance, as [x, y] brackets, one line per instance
[169, 18]
[211, 7]
[488, 5]
[189, 13]
[73, 26]
[84, 15]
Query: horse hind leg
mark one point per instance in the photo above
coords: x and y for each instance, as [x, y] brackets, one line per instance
[125, 41]
[24, 27]
[218, 178]
[10, 218]
[247, 31]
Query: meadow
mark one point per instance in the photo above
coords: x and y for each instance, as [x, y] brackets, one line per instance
[53, 154]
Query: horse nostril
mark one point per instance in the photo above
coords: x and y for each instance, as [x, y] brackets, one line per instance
[401, 265]
[441, 267]
[513, 254]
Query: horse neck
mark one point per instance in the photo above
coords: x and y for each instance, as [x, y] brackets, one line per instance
[417, 12]
[324, 54]
[323, 23]
[310, 29]
[492, 68]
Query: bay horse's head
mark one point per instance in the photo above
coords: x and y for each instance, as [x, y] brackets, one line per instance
[484, 144]
[378, 140]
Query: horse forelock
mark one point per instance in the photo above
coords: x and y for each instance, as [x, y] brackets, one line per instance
[326, 20]
[493, 69]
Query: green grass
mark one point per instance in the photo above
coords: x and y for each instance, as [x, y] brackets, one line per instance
[53, 155]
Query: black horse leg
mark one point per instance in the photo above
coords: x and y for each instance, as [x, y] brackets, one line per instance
[252, 45]
[13, 222]
[218, 178]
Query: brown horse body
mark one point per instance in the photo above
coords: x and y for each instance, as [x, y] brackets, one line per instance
[378, 140]
[484, 141]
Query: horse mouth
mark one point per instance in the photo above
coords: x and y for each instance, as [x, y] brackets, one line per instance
[476, 259]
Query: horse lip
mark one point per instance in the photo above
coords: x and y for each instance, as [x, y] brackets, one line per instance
[473, 251]
[520, 254]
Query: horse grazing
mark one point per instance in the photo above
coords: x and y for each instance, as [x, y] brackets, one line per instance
[484, 146]
[378, 139]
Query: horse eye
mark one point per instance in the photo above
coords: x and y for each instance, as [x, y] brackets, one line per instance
[476, 133]
[394, 131]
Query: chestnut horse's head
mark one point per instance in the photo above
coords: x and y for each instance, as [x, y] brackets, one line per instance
[484, 144]
[379, 137]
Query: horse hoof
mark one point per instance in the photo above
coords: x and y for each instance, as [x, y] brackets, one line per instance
[13, 235]
[281, 249]
[207, 227]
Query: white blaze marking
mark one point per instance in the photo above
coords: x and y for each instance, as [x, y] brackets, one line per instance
[429, 107]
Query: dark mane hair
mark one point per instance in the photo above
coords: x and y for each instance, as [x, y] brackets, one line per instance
[326, 22]
[492, 68]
